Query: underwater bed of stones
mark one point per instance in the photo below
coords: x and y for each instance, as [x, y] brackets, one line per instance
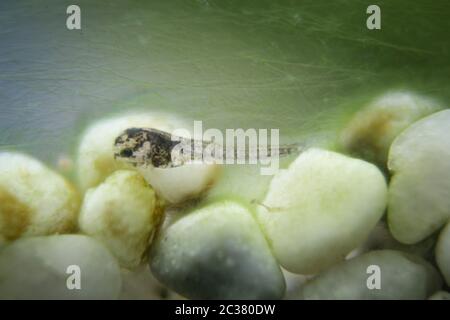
[368, 198]
[325, 226]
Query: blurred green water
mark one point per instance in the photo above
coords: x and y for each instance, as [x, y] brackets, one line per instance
[300, 66]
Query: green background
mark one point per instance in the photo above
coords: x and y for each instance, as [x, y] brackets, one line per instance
[300, 66]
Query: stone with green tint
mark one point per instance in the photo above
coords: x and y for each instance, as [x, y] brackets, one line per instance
[419, 190]
[217, 252]
[402, 276]
[68, 267]
[442, 252]
[320, 208]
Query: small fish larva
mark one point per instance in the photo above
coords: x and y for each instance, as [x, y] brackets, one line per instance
[148, 146]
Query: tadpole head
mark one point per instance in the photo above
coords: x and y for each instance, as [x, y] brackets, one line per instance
[127, 145]
[144, 146]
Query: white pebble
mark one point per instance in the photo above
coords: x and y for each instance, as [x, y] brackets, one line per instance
[122, 213]
[34, 200]
[320, 208]
[419, 191]
[370, 132]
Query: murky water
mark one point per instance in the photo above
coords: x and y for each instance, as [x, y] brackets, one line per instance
[300, 67]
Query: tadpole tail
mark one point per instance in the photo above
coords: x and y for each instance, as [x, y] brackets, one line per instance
[285, 150]
[258, 152]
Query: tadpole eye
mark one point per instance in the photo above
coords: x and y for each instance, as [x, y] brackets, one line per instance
[126, 153]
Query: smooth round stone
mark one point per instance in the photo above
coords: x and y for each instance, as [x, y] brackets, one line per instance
[217, 252]
[34, 200]
[381, 239]
[184, 183]
[442, 253]
[45, 267]
[419, 191]
[320, 208]
[370, 132]
[122, 213]
[402, 276]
